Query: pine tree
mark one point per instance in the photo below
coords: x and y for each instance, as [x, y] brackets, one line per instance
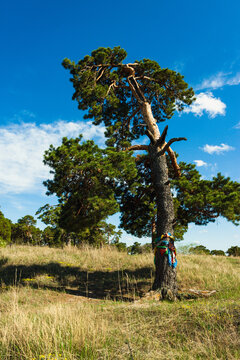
[85, 180]
[131, 100]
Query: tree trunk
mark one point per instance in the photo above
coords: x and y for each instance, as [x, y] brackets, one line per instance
[165, 276]
[154, 231]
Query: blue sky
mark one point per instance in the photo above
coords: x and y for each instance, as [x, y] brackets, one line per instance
[199, 39]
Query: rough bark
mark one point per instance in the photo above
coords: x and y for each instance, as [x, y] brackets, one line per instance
[165, 276]
[154, 230]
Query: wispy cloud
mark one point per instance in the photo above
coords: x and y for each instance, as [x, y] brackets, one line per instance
[207, 103]
[217, 149]
[22, 147]
[200, 163]
[219, 80]
[28, 113]
[237, 126]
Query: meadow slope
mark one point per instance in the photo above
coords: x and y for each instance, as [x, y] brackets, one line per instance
[90, 304]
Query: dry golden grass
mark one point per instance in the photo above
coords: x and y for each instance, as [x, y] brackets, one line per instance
[56, 313]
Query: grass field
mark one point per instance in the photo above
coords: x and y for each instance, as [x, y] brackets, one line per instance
[91, 304]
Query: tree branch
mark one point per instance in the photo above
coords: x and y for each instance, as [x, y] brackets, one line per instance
[135, 89]
[109, 65]
[166, 146]
[162, 138]
[171, 154]
[150, 135]
[138, 89]
[101, 74]
[138, 147]
[127, 121]
[175, 165]
[112, 84]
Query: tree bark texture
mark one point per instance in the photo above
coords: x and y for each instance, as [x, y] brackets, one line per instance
[165, 276]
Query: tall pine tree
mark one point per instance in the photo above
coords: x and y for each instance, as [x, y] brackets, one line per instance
[131, 100]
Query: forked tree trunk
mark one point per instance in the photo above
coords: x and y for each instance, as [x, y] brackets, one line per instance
[165, 276]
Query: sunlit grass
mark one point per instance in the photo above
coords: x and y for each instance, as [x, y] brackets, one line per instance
[43, 318]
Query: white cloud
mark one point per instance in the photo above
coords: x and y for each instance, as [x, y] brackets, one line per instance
[237, 126]
[200, 163]
[217, 149]
[22, 147]
[219, 80]
[206, 102]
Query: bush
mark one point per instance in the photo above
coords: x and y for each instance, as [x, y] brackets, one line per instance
[233, 251]
[200, 249]
[218, 252]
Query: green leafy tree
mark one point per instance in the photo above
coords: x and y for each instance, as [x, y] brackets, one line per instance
[233, 251]
[48, 236]
[5, 230]
[137, 248]
[121, 246]
[49, 214]
[218, 252]
[25, 231]
[200, 250]
[134, 249]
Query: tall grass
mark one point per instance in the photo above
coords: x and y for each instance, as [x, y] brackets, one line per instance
[54, 305]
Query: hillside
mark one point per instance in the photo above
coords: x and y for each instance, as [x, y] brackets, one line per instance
[91, 304]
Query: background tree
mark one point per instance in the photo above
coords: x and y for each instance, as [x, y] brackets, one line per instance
[196, 200]
[218, 252]
[199, 250]
[85, 177]
[85, 180]
[233, 251]
[137, 248]
[5, 230]
[25, 231]
[131, 99]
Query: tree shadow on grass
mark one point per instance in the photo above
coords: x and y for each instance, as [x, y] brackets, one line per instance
[118, 285]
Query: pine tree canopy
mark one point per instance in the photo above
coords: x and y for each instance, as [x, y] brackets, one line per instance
[111, 92]
[85, 178]
[196, 200]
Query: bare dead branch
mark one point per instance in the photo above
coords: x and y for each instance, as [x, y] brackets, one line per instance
[171, 154]
[113, 84]
[162, 138]
[110, 65]
[166, 146]
[175, 165]
[101, 74]
[135, 89]
[150, 135]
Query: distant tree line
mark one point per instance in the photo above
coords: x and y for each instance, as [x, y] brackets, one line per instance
[25, 232]
[202, 250]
